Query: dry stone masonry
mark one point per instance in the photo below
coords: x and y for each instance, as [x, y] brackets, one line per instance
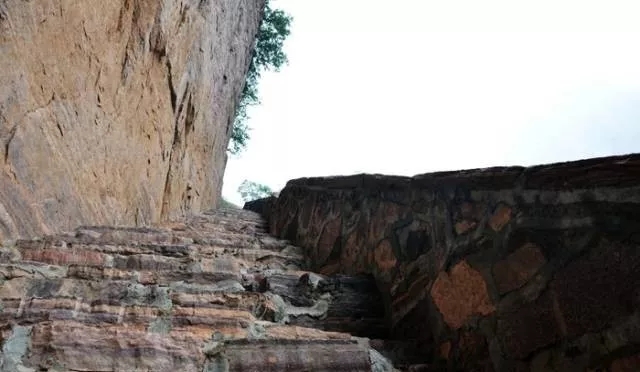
[499, 269]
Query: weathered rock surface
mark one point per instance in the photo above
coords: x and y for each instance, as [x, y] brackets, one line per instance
[213, 293]
[505, 269]
[116, 112]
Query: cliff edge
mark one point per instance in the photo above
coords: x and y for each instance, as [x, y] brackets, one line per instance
[116, 112]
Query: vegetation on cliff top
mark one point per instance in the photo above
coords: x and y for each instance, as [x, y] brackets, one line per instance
[267, 55]
[250, 190]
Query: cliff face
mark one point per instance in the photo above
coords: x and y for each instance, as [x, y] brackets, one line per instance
[495, 269]
[116, 112]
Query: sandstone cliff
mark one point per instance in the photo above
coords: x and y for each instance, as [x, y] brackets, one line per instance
[116, 112]
[499, 269]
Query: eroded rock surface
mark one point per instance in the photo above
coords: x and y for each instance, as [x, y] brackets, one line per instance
[116, 112]
[505, 269]
[213, 293]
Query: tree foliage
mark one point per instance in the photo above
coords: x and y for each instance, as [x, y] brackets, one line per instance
[267, 55]
[252, 191]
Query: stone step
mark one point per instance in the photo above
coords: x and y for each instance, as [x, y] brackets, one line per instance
[156, 257]
[119, 347]
[324, 305]
[296, 355]
[232, 217]
[164, 240]
[213, 290]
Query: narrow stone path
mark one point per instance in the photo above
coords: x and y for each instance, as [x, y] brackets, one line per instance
[211, 293]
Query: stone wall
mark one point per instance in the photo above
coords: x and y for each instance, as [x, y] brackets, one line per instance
[116, 112]
[505, 269]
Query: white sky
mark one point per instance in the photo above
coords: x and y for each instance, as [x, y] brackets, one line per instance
[413, 86]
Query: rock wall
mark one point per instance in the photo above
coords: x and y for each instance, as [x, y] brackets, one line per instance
[499, 269]
[116, 112]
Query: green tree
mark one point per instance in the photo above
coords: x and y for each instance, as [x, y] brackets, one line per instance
[267, 55]
[252, 191]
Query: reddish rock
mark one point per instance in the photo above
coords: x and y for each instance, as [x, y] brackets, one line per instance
[59, 256]
[385, 259]
[501, 217]
[461, 293]
[464, 226]
[516, 269]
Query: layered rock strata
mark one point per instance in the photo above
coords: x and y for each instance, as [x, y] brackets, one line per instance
[213, 293]
[498, 269]
[132, 97]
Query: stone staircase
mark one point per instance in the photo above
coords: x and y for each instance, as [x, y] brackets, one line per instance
[211, 293]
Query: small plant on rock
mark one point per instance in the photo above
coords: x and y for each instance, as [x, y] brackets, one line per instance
[267, 55]
[249, 191]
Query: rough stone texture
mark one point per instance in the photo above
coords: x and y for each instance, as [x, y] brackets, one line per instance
[472, 352]
[461, 294]
[116, 112]
[211, 293]
[260, 206]
[515, 268]
[529, 328]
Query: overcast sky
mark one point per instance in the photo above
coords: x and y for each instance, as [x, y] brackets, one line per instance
[413, 86]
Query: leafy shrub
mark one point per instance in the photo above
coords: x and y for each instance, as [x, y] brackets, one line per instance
[252, 191]
[267, 55]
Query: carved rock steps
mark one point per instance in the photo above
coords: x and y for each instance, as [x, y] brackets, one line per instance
[212, 293]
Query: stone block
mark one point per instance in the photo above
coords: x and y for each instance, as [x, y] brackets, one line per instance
[517, 268]
[460, 294]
